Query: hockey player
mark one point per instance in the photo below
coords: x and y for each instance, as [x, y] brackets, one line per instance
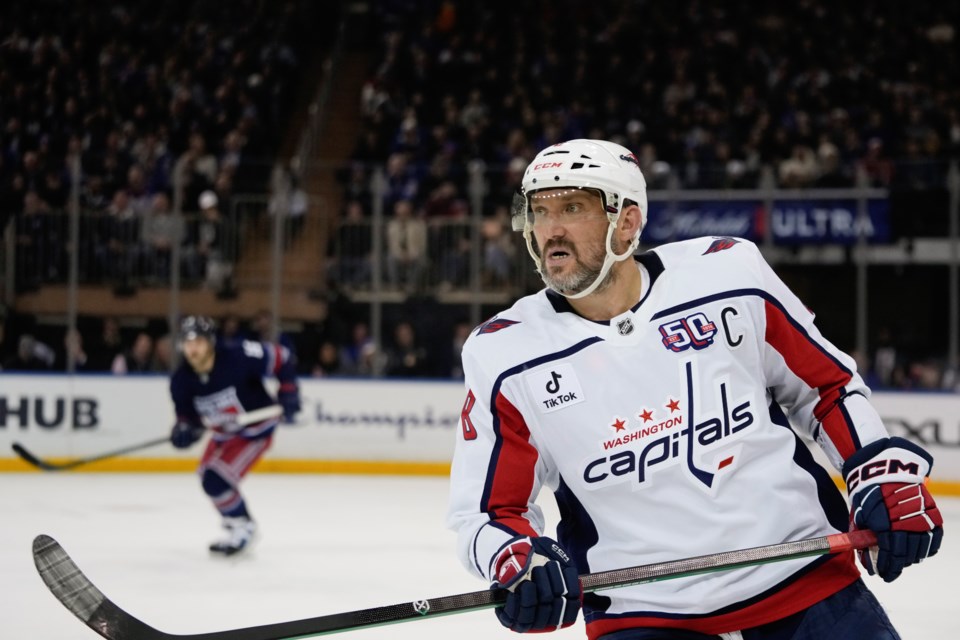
[220, 388]
[665, 398]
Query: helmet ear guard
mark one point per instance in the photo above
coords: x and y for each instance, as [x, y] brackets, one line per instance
[606, 167]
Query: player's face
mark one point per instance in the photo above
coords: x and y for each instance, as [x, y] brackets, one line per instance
[198, 352]
[570, 228]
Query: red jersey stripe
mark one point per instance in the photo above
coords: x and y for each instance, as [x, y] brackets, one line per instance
[277, 358]
[509, 489]
[818, 370]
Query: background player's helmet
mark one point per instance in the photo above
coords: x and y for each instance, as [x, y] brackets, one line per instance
[198, 327]
[607, 167]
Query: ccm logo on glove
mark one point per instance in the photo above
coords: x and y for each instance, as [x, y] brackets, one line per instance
[888, 496]
[876, 470]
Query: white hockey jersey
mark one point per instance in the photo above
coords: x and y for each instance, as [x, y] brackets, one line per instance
[671, 431]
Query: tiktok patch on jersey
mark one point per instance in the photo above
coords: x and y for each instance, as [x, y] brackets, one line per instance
[555, 387]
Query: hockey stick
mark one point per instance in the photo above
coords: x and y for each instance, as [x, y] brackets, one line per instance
[75, 591]
[271, 411]
[257, 415]
[46, 465]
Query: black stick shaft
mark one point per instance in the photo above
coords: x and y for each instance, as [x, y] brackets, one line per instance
[256, 415]
[53, 466]
[80, 596]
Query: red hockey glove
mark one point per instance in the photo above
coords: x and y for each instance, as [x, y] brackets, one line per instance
[543, 585]
[885, 481]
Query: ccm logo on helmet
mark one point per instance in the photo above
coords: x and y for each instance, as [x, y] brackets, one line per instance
[547, 165]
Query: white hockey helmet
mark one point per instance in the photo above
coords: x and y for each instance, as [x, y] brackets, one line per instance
[607, 167]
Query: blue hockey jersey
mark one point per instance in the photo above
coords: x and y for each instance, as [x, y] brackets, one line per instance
[233, 387]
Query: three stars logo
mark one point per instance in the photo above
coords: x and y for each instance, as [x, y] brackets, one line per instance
[647, 415]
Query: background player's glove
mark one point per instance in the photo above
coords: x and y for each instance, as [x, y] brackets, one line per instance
[885, 481]
[289, 398]
[543, 584]
[185, 434]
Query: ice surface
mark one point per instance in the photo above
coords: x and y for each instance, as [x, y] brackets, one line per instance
[329, 544]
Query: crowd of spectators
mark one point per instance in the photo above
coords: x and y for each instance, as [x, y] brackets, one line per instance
[97, 345]
[328, 345]
[712, 95]
[342, 345]
[707, 95]
[146, 96]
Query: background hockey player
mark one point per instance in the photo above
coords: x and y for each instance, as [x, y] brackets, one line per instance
[218, 388]
[662, 397]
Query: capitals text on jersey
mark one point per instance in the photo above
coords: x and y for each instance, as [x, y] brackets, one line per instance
[679, 443]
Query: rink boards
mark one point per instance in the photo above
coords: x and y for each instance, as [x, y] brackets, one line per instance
[347, 425]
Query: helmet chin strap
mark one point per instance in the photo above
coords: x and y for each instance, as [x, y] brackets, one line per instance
[608, 261]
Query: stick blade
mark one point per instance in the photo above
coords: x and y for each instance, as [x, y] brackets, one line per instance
[82, 598]
[29, 458]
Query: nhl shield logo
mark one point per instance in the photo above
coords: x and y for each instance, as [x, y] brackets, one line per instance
[625, 327]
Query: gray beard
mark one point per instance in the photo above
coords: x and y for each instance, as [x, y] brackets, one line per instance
[581, 277]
